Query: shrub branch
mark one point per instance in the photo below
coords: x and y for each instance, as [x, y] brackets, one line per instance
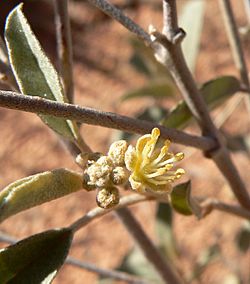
[166, 271]
[92, 116]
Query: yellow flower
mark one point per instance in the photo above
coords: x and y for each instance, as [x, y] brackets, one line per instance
[151, 166]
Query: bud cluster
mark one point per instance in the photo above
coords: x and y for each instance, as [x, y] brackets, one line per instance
[104, 173]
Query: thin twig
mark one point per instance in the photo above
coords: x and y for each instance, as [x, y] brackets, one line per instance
[107, 273]
[234, 39]
[169, 53]
[148, 248]
[64, 46]
[37, 105]
[208, 205]
[87, 266]
[98, 212]
[118, 15]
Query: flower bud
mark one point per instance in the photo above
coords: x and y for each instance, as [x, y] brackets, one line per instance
[99, 172]
[119, 175]
[107, 197]
[117, 152]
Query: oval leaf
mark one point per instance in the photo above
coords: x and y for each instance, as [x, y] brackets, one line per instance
[33, 70]
[182, 200]
[156, 91]
[35, 259]
[37, 189]
[214, 92]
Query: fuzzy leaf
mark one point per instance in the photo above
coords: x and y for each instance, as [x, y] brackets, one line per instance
[33, 71]
[35, 259]
[155, 90]
[182, 201]
[214, 92]
[193, 26]
[37, 189]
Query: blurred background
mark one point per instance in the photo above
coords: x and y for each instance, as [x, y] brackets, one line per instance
[110, 68]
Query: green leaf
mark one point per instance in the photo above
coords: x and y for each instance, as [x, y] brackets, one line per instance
[35, 259]
[214, 92]
[154, 90]
[191, 20]
[33, 70]
[243, 238]
[166, 242]
[37, 189]
[182, 201]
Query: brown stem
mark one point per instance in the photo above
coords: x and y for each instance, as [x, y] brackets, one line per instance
[107, 273]
[99, 212]
[64, 46]
[209, 205]
[118, 15]
[33, 104]
[171, 56]
[148, 248]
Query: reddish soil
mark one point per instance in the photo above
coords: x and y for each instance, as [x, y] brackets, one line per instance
[102, 74]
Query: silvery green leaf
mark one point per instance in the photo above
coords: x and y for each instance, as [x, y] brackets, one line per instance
[37, 189]
[33, 71]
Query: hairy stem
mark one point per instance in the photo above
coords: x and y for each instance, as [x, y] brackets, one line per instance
[98, 212]
[37, 105]
[148, 248]
[118, 15]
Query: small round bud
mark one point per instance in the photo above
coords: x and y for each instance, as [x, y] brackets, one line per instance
[119, 175]
[107, 197]
[99, 172]
[117, 152]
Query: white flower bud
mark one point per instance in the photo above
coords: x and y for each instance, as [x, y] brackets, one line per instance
[117, 152]
[107, 197]
[119, 175]
[99, 172]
